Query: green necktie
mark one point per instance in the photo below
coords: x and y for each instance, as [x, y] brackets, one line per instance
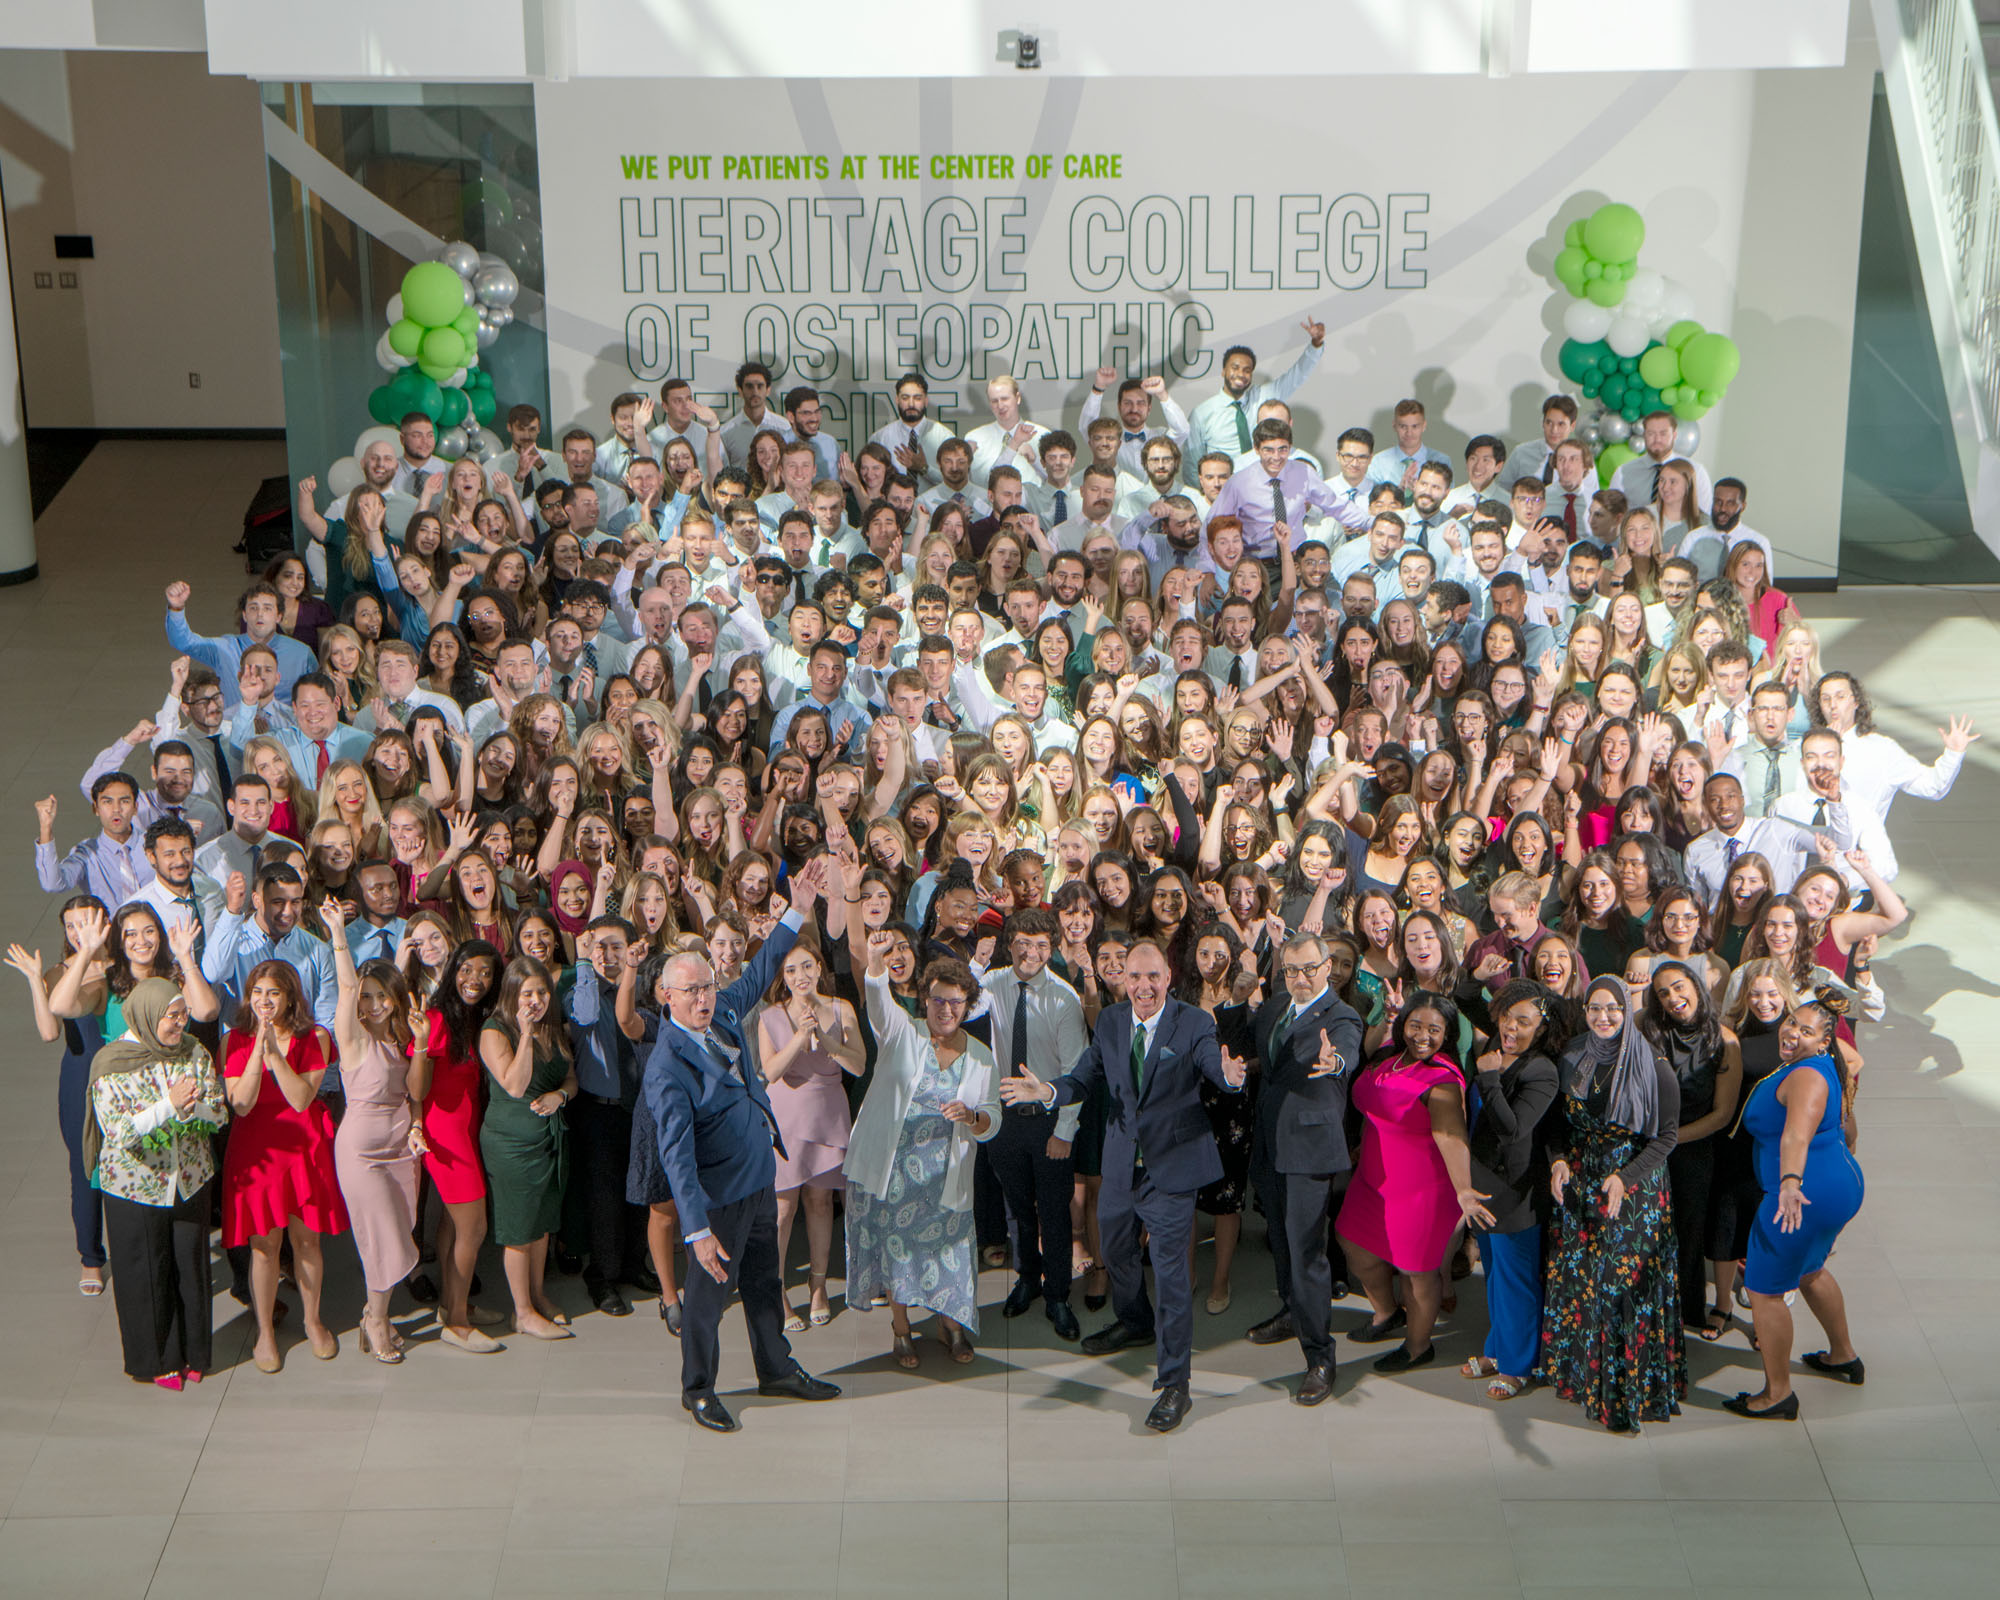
[1242, 427]
[1138, 1055]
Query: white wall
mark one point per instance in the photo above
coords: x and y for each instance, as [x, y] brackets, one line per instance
[163, 165]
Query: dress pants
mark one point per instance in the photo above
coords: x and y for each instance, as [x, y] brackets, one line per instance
[989, 1200]
[160, 1282]
[748, 1230]
[1690, 1176]
[603, 1133]
[1513, 1299]
[86, 1204]
[1038, 1193]
[1128, 1202]
[1295, 1211]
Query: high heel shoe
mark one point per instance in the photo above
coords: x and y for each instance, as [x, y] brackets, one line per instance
[168, 1380]
[384, 1351]
[1846, 1371]
[816, 1286]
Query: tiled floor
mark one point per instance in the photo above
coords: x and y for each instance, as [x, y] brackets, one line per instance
[570, 1469]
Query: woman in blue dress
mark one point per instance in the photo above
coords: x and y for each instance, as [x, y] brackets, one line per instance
[933, 1099]
[1812, 1189]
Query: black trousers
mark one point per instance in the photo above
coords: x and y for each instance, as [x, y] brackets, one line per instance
[1295, 1212]
[1127, 1203]
[1038, 1191]
[602, 1130]
[1690, 1177]
[989, 1200]
[748, 1230]
[160, 1283]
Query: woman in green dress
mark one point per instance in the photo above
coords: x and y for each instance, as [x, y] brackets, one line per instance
[525, 1049]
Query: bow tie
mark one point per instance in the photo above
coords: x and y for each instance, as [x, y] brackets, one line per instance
[1131, 435]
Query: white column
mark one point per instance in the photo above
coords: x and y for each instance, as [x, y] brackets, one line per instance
[17, 514]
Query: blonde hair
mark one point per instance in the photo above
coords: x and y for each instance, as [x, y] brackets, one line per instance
[372, 820]
[305, 811]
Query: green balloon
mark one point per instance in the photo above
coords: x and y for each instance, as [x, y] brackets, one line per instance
[485, 407]
[1670, 394]
[1633, 410]
[1613, 232]
[434, 373]
[1613, 389]
[1659, 366]
[432, 294]
[1607, 363]
[1709, 397]
[1681, 332]
[384, 407]
[1689, 410]
[405, 338]
[1605, 291]
[1649, 400]
[1628, 365]
[1570, 263]
[1593, 270]
[453, 407]
[1570, 360]
[1710, 360]
[443, 348]
[466, 323]
[1590, 385]
[1611, 457]
[1573, 236]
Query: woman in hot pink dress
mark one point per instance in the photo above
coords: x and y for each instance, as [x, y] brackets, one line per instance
[806, 1039]
[1413, 1181]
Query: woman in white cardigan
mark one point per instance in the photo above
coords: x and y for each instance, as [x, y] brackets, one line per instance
[933, 1098]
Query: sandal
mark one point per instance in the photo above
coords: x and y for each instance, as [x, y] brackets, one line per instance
[816, 1285]
[794, 1323]
[1505, 1388]
[1479, 1367]
[957, 1345]
[386, 1352]
[1718, 1323]
[90, 1288]
[905, 1350]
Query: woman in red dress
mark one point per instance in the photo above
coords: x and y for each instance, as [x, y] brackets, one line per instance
[1413, 1182]
[464, 995]
[277, 1172]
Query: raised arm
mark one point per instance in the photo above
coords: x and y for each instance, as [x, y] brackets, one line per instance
[29, 965]
[347, 1030]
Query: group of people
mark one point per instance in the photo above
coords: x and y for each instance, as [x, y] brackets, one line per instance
[1033, 849]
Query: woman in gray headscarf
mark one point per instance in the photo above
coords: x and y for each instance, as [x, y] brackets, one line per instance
[154, 1101]
[1611, 1323]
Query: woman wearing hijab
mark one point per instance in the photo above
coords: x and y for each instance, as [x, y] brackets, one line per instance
[154, 1102]
[1812, 1189]
[1611, 1320]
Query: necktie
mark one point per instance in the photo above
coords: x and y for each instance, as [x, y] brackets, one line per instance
[799, 584]
[1284, 1024]
[590, 656]
[1242, 427]
[323, 759]
[1771, 780]
[1731, 849]
[221, 763]
[1277, 501]
[1549, 468]
[1138, 1054]
[1018, 1052]
[193, 907]
[1729, 726]
[1569, 515]
[715, 1049]
[562, 688]
[1061, 507]
[1655, 495]
[957, 498]
[1236, 673]
[402, 710]
[1819, 813]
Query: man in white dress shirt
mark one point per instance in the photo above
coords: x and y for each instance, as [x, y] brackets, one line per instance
[912, 440]
[1057, 497]
[1399, 463]
[1875, 767]
[419, 458]
[1135, 407]
[1786, 845]
[1224, 421]
[397, 666]
[1484, 457]
[1536, 458]
[1092, 512]
[684, 417]
[1009, 440]
[1639, 479]
[954, 485]
[1709, 547]
[631, 415]
[805, 412]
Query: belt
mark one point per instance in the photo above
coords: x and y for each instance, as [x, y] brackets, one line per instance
[601, 1099]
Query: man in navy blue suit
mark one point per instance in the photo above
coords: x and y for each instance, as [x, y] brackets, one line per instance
[1309, 1041]
[1151, 1053]
[717, 1135]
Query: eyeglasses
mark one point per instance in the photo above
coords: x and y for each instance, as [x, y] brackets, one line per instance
[691, 988]
[1604, 1011]
[1305, 971]
[942, 1004]
[771, 577]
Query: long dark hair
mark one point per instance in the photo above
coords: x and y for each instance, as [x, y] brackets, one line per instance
[1655, 1024]
[1551, 1036]
[550, 1033]
[462, 1022]
[297, 1018]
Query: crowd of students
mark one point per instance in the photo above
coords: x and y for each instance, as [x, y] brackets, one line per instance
[997, 851]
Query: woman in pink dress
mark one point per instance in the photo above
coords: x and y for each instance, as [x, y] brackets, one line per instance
[806, 1039]
[1413, 1181]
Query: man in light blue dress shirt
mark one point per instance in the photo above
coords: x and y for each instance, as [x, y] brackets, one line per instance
[112, 866]
[1224, 422]
[259, 611]
[268, 930]
[1398, 464]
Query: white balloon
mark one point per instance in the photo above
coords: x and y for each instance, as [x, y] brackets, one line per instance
[1586, 321]
[1676, 303]
[395, 308]
[1644, 289]
[368, 436]
[343, 477]
[1687, 439]
[455, 381]
[387, 358]
[1614, 429]
[1627, 336]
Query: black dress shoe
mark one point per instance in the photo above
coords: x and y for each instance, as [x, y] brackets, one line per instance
[1091, 1302]
[1786, 1410]
[1168, 1409]
[1846, 1371]
[1376, 1332]
[709, 1412]
[1316, 1386]
[1024, 1295]
[1110, 1340]
[1273, 1330]
[670, 1314]
[1400, 1359]
[422, 1289]
[567, 1261]
[1064, 1320]
[799, 1384]
[608, 1300]
[1341, 1289]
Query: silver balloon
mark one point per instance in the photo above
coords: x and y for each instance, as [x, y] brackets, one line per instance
[487, 333]
[1687, 439]
[500, 316]
[496, 286]
[452, 443]
[488, 259]
[1590, 432]
[1614, 428]
[465, 284]
[460, 257]
[481, 446]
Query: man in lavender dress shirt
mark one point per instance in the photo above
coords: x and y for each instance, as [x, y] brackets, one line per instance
[1276, 490]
